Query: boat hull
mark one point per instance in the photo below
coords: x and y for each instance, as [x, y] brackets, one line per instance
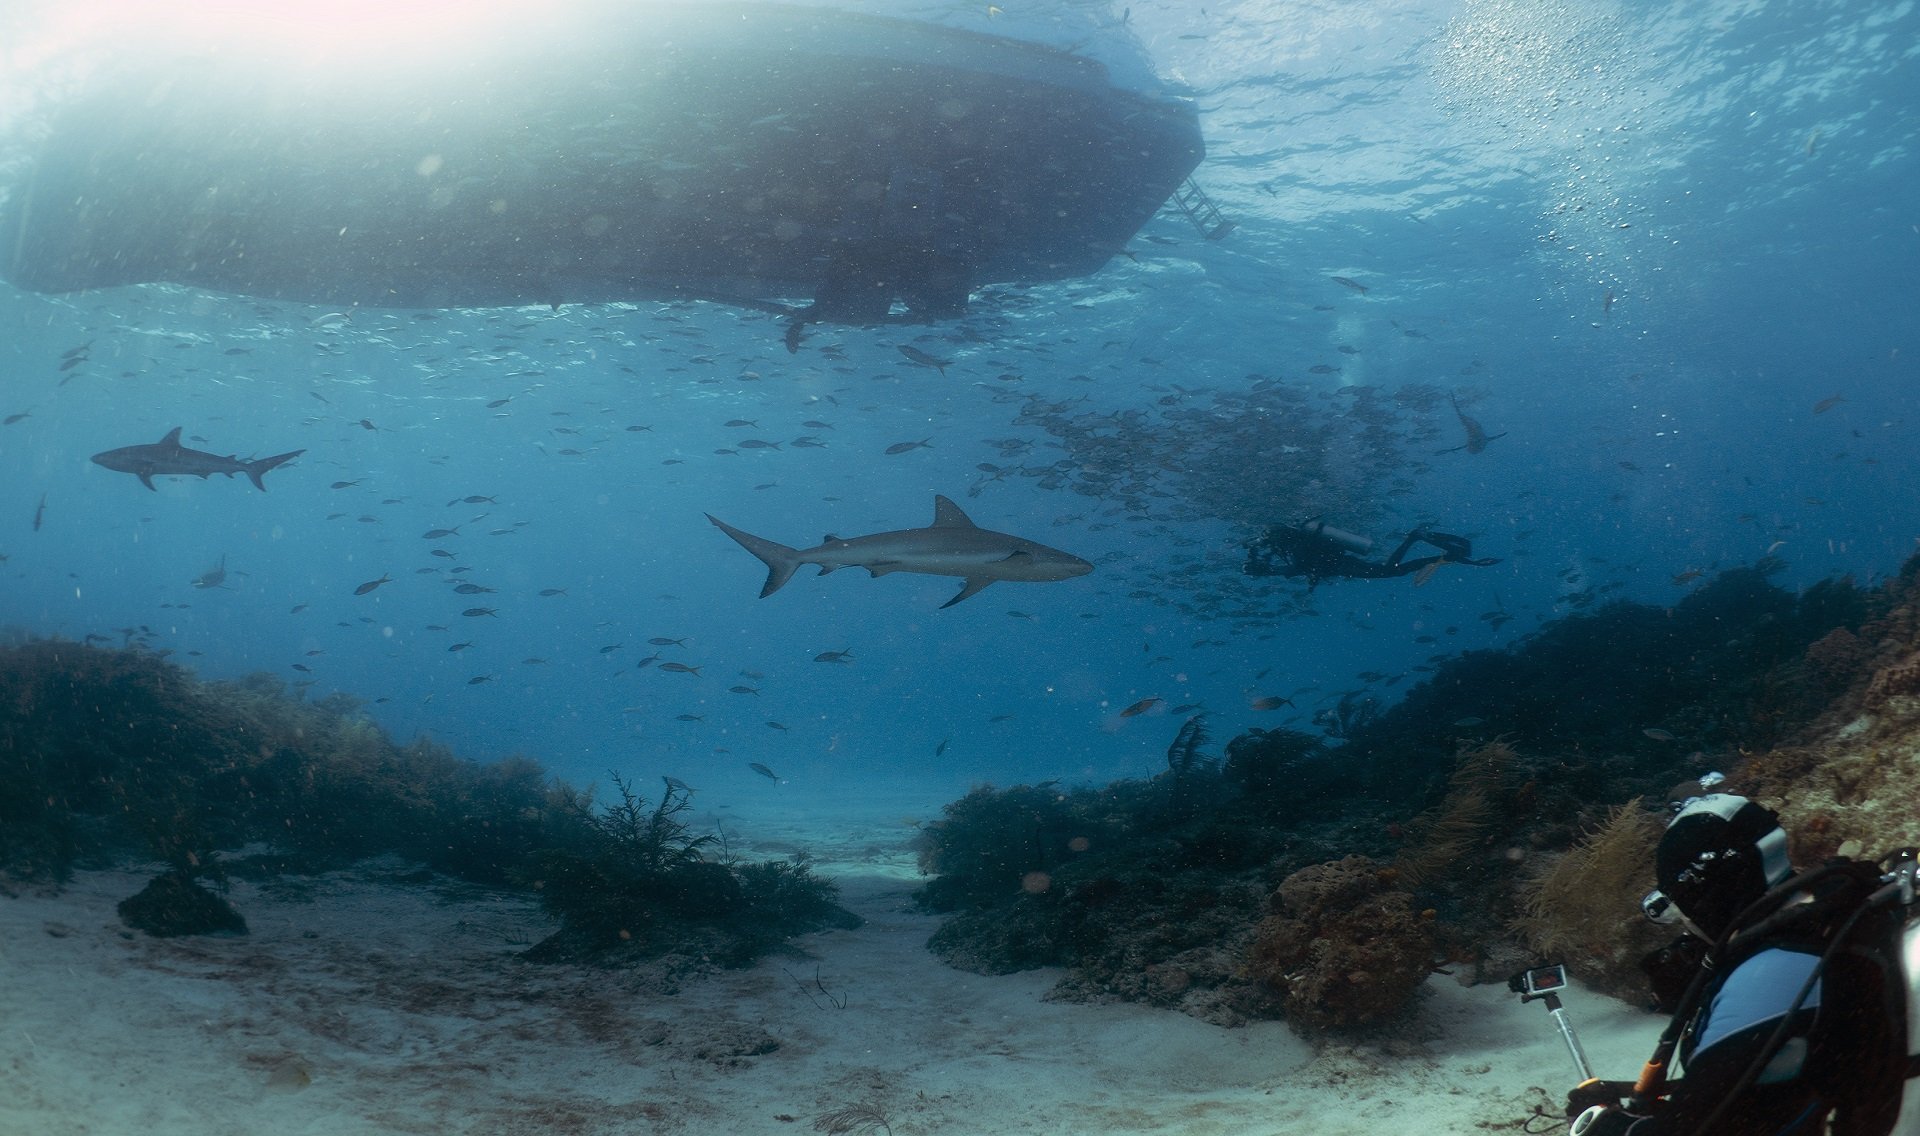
[749, 153]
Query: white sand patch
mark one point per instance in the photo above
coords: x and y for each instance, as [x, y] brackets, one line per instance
[376, 1002]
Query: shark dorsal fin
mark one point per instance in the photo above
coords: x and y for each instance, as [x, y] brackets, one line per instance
[172, 438]
[947, 515]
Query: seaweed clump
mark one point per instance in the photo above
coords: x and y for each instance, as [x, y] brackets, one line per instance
[1574, 900]
[633, 881]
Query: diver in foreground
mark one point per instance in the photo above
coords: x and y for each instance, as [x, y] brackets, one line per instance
[1789, 995]
[1319, 552]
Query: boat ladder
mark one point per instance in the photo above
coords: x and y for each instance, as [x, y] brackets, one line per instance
[1197, 207]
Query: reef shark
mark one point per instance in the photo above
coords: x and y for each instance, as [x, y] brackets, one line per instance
[213, 577]
[952, 546]
[1477, 436]
[168, 457]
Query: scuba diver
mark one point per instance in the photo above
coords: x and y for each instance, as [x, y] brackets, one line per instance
[1788, 993]
[1319, 552]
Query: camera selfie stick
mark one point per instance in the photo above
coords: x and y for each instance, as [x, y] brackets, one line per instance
[1543, 984]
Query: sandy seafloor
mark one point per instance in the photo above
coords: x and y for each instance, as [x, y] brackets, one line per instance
[382, 1000]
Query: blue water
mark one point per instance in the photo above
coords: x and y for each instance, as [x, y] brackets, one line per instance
[1645, 242]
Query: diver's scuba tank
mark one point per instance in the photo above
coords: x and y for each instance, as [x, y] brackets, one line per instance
[1908, 1121]
[1352, 542]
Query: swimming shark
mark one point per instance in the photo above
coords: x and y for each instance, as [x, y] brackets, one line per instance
[952, 546]
[1477, 436]
[168, 457]
[213, 577]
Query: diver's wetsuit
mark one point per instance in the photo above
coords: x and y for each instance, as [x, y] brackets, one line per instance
[1839, 1068]
[1294, 551]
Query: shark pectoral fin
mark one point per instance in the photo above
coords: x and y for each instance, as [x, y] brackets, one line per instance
[973, 584]
[1015, 555]
[146, 479]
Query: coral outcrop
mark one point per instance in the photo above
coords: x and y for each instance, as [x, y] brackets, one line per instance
[1346, 945]
[1145, 890]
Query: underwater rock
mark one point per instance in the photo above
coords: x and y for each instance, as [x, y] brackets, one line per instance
[172, 905]
[1900, 680]
[1346, 946]
[1280, 763]
[728, 1044]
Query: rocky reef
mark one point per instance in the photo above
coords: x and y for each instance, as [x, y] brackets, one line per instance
[1502, 814]
[110, 757]
[1848, 782]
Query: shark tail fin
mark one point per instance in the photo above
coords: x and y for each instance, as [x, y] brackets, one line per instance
[780, 560]
[256, 469]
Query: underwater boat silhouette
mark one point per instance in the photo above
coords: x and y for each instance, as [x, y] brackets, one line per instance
[749, 153]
